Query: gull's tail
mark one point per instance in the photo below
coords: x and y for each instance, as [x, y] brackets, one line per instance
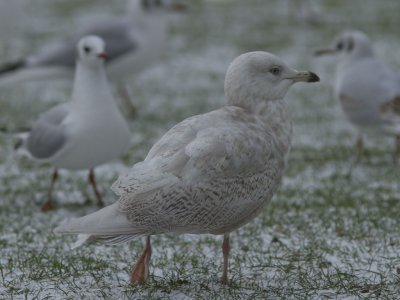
[12, 66]
[107, 225]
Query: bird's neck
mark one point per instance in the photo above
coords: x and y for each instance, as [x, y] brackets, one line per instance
[274, 114]
[91, 90]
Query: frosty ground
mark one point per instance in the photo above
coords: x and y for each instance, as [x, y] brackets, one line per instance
[332, 230]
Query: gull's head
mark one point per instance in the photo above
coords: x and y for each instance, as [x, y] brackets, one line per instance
[91, 50]
[138, 8]
[349, 44]
[261, 76]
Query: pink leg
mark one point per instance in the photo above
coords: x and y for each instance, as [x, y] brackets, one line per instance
[396, 155]
[225, 251]
[96, 192]
[48, 205]
[140, 272]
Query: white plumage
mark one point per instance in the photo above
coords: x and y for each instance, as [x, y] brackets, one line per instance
[87, 131]
[211, 173]
[367, 89]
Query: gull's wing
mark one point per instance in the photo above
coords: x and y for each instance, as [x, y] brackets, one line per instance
[115, 33]
[206, 145]
[368, 92]
[48, 135]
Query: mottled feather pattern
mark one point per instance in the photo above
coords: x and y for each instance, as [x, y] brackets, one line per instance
[230, 168]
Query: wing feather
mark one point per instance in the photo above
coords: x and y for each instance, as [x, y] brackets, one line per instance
[48, 135]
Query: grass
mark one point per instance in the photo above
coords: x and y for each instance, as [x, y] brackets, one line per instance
[331, 231]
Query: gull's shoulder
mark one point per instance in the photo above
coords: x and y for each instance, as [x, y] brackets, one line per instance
[218, 121]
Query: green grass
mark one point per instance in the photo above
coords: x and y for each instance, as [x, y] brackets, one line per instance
[332, 229]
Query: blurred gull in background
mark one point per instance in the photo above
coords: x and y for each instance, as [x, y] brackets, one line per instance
[87, 131]
[211, 173]
[367, 89]
[133, 42]
[11, 14]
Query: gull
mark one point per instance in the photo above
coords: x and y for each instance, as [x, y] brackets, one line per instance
[367, 89]
[209, 174]
[133, 42]
[85, 132]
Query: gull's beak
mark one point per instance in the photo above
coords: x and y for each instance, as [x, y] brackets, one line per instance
[304, 76]
[102, 55]
[320, 52]
[177, 7]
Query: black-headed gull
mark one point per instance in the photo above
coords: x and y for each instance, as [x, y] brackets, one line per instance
[85, 132]
[134, 41]
[211, 173]
[367, 89]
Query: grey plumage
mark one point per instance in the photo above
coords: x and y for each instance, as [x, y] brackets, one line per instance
[47, 135]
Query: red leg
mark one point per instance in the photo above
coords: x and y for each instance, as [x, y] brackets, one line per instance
[126, 103]
[140, 272]
[225, 251]
[48, 205]
[96, 192]
[359, 148]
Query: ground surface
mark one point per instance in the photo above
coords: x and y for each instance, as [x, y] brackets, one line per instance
[332, 230]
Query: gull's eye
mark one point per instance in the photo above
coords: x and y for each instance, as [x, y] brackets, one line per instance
[339, 46]
[275, 71]
[87, 49]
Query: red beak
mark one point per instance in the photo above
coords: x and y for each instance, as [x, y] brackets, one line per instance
[102, 55]
[178, 7]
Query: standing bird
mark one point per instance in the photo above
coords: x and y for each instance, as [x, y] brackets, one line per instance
[133, 42]
[367, 89]
[211, 173]
[87, 131]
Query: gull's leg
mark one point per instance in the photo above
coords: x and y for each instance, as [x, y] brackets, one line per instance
[225, 251]
[140, 271]
[126, 103]
[48, 205]
[396, 155]
[92, 182]
[359, 148]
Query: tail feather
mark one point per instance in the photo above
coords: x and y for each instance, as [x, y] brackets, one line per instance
[12, 66]
[107, 225]
[110, 240]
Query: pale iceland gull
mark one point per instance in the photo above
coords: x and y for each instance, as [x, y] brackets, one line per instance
[211, 173]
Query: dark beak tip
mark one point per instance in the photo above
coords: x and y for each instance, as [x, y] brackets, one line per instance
[313, 77]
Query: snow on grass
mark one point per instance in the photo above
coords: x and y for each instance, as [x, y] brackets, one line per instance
[331, 232]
